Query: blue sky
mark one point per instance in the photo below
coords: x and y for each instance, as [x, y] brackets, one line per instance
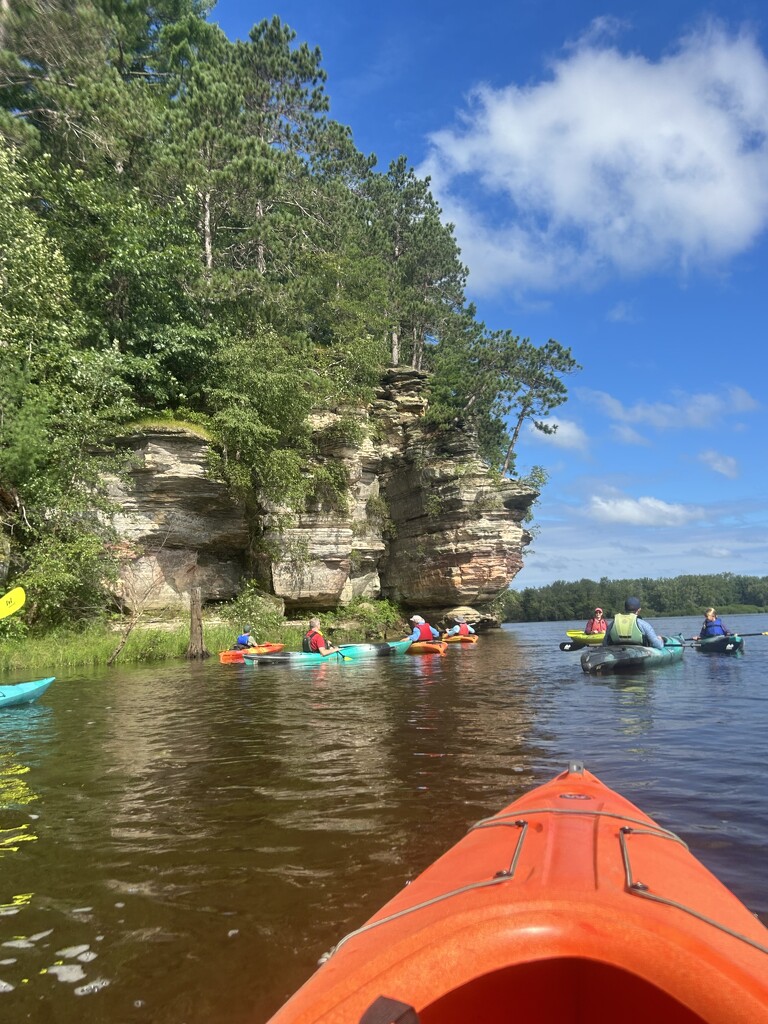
[606, 167]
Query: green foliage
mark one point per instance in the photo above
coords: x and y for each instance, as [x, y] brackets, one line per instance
[678, 595]
[185, 234]
[255, 608]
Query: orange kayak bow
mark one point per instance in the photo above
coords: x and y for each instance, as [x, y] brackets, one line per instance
[571, 905]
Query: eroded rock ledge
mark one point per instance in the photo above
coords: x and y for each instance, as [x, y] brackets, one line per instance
[425, 523]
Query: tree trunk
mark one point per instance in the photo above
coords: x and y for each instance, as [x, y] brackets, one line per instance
[196, 648]
[205, 224]
[395, 348]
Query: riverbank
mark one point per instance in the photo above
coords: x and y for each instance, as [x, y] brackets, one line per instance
[159, 639]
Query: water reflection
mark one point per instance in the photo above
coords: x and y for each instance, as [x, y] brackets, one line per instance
[194, 821]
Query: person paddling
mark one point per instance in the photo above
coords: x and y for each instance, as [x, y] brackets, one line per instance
[314, 642]
[597, 624]
[712, 626]
[462, 627]
[629, 628]
[245, 640]
[422, 631]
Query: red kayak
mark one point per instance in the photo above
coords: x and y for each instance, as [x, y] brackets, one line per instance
[236, 657]
[569, 906]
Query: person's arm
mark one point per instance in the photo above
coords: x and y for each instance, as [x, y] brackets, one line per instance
[452, 631]
[650, 634]
[435, 633]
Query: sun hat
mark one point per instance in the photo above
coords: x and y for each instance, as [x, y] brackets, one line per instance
[417, 619]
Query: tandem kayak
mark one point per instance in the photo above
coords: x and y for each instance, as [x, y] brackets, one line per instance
[471, 638]
[23, 693]
[631, 657]
[428, 647]
[235, 657]
[569, 906]
[720, 644]
[347, 652]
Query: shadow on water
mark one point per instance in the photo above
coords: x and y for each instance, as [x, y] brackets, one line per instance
[184, 842]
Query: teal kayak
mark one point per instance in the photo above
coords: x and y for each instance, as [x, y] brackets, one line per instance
[347, 652]
[23, 693]
[631, 657]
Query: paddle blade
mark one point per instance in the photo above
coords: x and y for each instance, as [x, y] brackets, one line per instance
[12, 601]
[572, 645]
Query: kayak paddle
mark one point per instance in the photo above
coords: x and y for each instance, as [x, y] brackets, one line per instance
[12, 601]
[572, 645]
[731, 634]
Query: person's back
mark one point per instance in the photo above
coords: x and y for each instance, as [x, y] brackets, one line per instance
[629, 628]
[422, 630]
[624, 630]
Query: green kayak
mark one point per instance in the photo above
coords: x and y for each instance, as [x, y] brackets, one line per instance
[731, 644]
[631, 657]
[348, 652]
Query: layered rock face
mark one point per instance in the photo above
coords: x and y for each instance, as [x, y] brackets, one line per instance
[182, 528]
[429, 528]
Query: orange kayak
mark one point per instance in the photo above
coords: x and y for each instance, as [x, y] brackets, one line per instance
[470, 638]
[236, 657]
[428, 647]
[569, 906]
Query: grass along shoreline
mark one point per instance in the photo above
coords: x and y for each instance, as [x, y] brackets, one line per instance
[167, 640]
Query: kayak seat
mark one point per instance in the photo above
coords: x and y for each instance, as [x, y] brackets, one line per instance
[563, 990]
[389, 1011]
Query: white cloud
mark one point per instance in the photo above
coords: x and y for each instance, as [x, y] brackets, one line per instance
[627, 434]
[699, 411]
[724, 464]
[642, 511]
[613, 162]
[567, 434]
[622, 313]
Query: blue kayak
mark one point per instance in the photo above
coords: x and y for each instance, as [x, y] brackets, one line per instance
[348, 652]
[631, 657]
[23, 693]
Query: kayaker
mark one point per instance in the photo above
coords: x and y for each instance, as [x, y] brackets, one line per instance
[422, 630]
[245, 640]
[712, 626]
[314, 642]
[629, 628]
[597, 624]
[462, 627]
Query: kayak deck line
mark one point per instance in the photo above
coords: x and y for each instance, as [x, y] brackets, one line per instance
[638, 888]
[633, 887]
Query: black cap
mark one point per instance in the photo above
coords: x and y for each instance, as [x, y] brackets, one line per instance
[632, 604]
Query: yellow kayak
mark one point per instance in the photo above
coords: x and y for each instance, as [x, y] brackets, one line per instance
[584, 638]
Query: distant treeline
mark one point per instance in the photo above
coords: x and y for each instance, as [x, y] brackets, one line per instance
[678, 595]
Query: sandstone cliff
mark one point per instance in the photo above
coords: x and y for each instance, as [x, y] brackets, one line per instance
[424, 525]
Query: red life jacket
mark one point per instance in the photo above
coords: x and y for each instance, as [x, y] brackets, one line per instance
[425, 633]
[463, 629]
[306, 644]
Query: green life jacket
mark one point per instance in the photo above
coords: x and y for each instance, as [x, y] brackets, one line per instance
[625, 629]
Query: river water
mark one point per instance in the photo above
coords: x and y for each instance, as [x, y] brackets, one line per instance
[181, 843]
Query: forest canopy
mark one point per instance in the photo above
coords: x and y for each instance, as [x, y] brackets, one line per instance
[186, 234]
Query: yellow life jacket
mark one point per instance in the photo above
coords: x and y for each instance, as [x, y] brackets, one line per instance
[625, 629]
